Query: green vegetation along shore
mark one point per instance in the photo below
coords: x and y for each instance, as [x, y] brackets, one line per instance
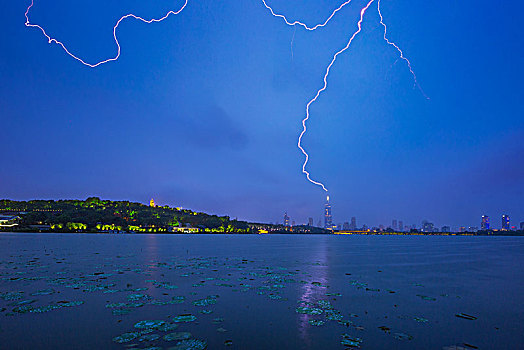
[96, 215]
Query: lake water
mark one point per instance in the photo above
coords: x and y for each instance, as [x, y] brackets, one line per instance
[88, 291]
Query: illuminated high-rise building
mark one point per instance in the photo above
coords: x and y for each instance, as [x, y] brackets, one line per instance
[401, 226]
[484, 224]
[394, 224]
[505, 222]
[328, 220]
[310, 222]
[152, 203]
[286, 219]
[353, 225]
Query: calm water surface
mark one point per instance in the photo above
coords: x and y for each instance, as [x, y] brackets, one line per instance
[65, 291]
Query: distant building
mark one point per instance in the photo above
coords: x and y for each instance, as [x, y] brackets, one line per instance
[310, 222]
[522, 225]
[427, 226]
[345, 227]
[286, 219]
[9, 221]
[152, 203]
[446, 229]
[505, 222]
[394, 225]
[328, 220]
[484, 224]
[353, 224]
[401, 226]
[462, 229]
[183, 229]
[473, 229]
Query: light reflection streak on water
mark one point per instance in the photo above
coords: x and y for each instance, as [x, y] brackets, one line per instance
[310, 292]
[151, 258]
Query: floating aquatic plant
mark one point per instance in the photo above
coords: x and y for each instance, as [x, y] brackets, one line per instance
[149, 324]
[350, 341]
[308, 310]
[184, 318]
[126, 337]
[177, 336]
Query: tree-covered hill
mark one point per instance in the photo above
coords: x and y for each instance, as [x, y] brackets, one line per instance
[94, 214]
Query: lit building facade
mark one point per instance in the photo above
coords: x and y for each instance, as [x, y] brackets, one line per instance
[484, 224]
[328, 219]
[286, 219]
[505, 222]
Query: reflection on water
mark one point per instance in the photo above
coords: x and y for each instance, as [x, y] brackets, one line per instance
[253, 292]
[318, 271]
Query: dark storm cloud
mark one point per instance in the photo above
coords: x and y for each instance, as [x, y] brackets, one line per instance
[212, 127]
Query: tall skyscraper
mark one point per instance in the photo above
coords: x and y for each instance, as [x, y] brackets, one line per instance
[401, 226]
[286, 219]
[394, 224]
[353, 225]
[310, 222]
[505, 222]
[328, 220]
[484, 224]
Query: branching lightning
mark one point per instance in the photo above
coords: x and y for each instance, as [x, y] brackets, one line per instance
[324, 87]
[289, 23]
[305, 26]
[415, 82]
[148, 21]
[304, 128]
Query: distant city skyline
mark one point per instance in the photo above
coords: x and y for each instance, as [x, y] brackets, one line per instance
[424, 226]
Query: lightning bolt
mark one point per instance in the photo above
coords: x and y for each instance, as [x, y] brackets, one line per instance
[304, 128]
[289, 23]
[303, 24]
[52, 40]
[324, 87]
[415, 82]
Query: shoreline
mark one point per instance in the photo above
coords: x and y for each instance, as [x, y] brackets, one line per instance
[466, 234]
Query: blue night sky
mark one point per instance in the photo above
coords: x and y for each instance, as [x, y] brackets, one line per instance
[203, 110]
